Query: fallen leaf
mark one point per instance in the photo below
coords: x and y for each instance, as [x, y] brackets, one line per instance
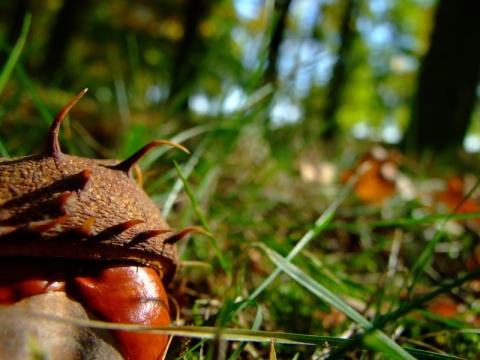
[379, 181]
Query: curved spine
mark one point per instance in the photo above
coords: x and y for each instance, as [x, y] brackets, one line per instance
[53, 146]
[127, 165]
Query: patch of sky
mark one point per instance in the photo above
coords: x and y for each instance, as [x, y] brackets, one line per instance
[389, 132]
[471, 143]
[234, 99]
[285, 112]
[380, 7]
[305, 14]
[364, 24]
[250, 46]
[248, 9]
[379, 35]
[324, 69]
[298, 62]
[381, 41]
[302, 61]
[201, 104]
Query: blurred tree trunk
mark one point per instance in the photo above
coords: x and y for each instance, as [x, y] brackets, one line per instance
[448, 80]
[270, 75]
[191, 50]
[340, 71]
[68, 22]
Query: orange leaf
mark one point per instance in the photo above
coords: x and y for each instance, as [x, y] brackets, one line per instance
[378, 182]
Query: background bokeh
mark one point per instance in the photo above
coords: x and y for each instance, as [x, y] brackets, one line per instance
[280, 103]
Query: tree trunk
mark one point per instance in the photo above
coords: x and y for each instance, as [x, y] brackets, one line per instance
[189, 54]
[270, 75]
[448, 80]
[68, 23]
[340, 70]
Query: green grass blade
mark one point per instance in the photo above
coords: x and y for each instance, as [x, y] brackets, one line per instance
[30, 87]
[445, 288]
[424, 259]
[3, 150]
[376, 338]
[321, 224]
[187, 170]
[15, 54]
[422, 354]
[256, 325]
[404, 221]
[229, 334]
[223, 263]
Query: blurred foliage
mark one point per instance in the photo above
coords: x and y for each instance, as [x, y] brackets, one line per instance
[147, 62]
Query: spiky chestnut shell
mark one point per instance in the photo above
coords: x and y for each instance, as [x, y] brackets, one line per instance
[58, 205]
